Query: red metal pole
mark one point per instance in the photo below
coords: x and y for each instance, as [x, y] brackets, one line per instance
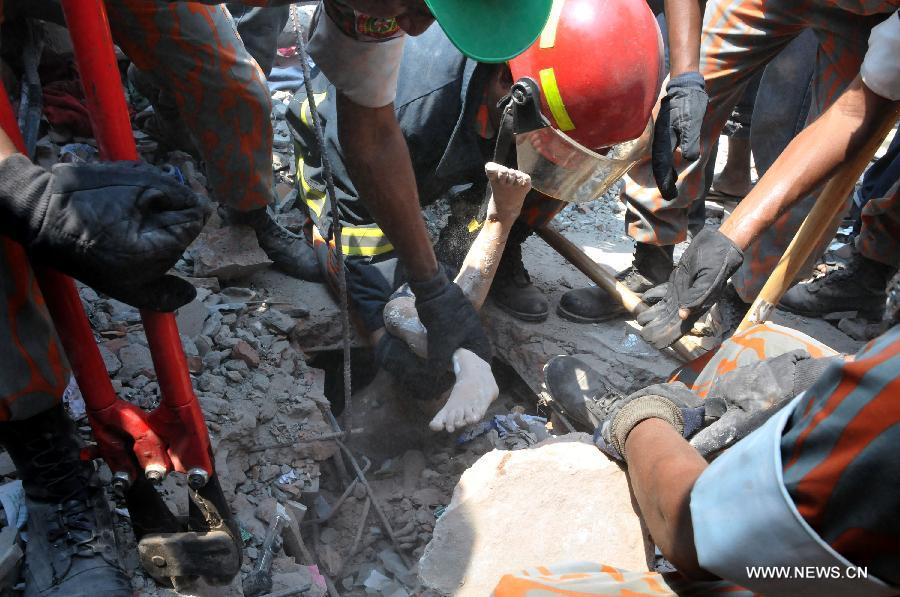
[94, 54]
[64, 305]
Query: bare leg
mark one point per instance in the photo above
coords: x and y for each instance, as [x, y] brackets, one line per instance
[735, 176]
[475, 387]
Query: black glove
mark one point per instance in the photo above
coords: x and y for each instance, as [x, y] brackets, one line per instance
[670, 402]
[678, 126]
[450, 319]
[415, 375]
[695, 284]
[116, 226]
[741, 400]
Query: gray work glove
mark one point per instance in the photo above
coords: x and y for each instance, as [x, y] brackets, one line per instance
[450, 319]
[695, 285]
[678, 127]
[741, 400]
[414, 374]
[673, 403]
[116, 226]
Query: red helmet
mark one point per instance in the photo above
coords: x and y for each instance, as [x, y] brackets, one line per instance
[599, 67]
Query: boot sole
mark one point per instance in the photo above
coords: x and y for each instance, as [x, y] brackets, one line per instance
[581, 319]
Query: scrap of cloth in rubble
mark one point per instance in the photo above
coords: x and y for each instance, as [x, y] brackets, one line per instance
[65, 108]
[739, 38]
[816, 486]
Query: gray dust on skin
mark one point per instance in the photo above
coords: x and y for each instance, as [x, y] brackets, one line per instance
[475, 281]
[402, 320]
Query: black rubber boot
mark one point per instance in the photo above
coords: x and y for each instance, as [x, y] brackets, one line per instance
[859, 286]
[512, 289]
[290, 252]
[651, 266]
[589, 305]
[71, 545]
[578, 390]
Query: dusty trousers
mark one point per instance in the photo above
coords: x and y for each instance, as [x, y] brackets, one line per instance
[739, 38]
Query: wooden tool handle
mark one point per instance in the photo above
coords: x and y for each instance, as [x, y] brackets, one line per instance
[817, 225]
[603, 276]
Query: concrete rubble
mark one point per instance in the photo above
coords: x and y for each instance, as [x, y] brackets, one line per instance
[557, 501]
[462, 511]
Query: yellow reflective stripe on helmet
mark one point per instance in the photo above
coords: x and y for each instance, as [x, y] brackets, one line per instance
[548, 35]
[554, 100]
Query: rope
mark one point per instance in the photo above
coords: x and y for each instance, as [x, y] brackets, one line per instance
[335, 217]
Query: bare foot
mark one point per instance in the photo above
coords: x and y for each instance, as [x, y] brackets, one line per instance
[471, 395]
[508, 190]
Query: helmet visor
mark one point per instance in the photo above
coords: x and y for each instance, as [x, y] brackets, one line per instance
[563, 169]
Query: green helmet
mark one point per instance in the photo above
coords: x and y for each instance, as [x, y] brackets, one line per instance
[491, 30]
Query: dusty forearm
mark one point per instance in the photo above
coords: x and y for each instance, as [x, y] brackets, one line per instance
[379, 165]
[663, 467]
[684, 18]
[481, 262]
[807, 162]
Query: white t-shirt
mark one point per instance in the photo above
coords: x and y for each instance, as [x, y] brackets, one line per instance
[881, 67]
[359, 54]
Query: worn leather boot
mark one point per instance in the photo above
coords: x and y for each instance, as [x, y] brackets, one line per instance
[651, 266]
[71, 545]
[578, 390]
[512, 289]
[290, 252]
[858, 286]
[589, 305]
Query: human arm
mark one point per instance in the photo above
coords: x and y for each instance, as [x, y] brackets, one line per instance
[703, 271]
[7, 148]
[684, 19]
[681, 110]
[662, 468]
[808, 161]
[379, 164]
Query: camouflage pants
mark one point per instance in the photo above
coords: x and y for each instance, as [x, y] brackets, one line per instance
[33, 368]
[739, 38]
[194, 53]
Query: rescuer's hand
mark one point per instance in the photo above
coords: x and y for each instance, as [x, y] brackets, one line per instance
[450, 319]
[678, 127]
[741, 400]
[670, 402]
[116, 226]
[694, 286]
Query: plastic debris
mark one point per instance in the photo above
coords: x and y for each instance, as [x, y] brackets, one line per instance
[73, 399]
[514, 426]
